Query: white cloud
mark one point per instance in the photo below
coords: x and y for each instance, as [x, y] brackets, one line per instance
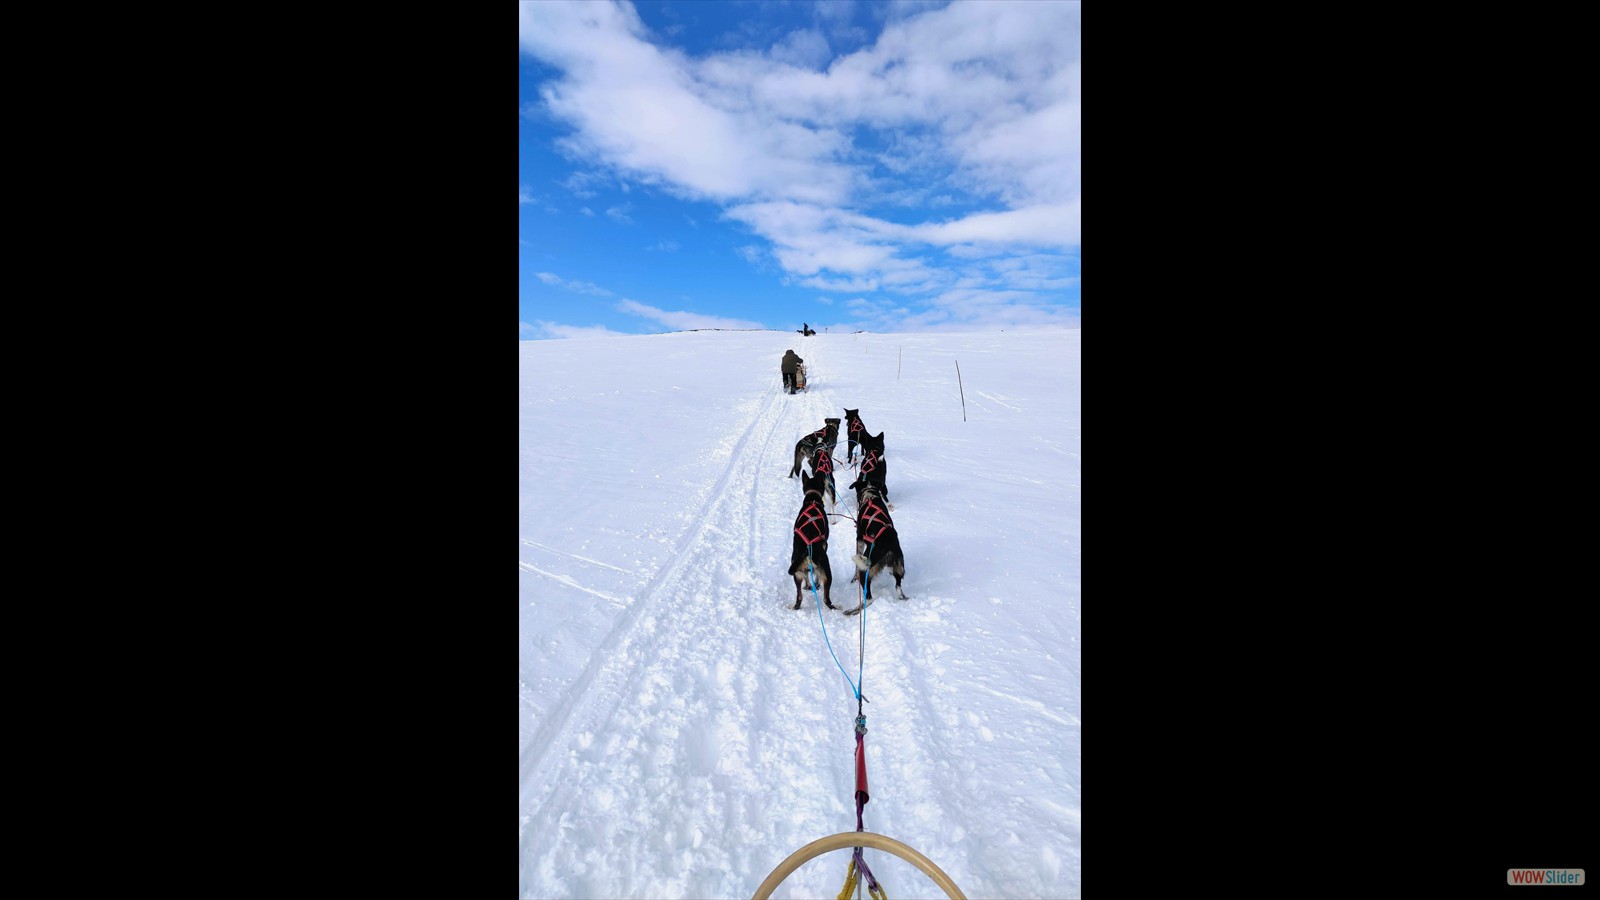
[841, 285]
[645, 110]
[1049, 225]
[969, 105]
[620, 213]
[683, 320]
[1038, 272]
[578, 287]
[834, 11]
[808, 239]
[665, 246]
[583, 183]
[807, 49]
[963, 310]
[525, 198]
[554, 330]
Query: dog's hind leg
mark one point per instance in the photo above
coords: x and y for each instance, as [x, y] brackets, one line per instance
[825, 578]
[899, 570]
[867, 574]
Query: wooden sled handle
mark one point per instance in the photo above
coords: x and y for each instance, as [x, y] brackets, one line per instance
[857, 839]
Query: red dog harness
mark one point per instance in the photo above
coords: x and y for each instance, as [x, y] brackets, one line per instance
[808, 521]
[822, 463]
[869, 463]
[873, 515]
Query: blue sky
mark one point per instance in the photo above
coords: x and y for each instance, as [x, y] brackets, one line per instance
[886, 166]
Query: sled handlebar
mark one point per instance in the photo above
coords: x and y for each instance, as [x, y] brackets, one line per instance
[857, 839]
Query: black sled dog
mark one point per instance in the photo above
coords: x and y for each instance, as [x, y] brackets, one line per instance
[822, 464]
[853, 430]
[811, 541]
[808, 445]
[872, 465]
[877, 541]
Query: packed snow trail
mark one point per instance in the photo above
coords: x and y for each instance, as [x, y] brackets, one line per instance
[683, 728]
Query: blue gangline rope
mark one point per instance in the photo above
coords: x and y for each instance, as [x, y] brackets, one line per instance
[862, 660]
[812, 580]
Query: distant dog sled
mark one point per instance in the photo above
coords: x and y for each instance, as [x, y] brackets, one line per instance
[800, 377]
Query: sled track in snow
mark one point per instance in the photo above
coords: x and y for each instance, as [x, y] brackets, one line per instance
[674, 616]
[626, 621]
[701, 686]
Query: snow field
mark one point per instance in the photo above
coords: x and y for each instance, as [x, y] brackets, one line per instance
[682, 730]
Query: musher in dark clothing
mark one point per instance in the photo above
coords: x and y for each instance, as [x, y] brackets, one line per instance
[790, 363]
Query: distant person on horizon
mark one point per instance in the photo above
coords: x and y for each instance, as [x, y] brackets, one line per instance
[790, 363]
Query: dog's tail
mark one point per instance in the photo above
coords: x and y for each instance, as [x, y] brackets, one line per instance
[887, 559]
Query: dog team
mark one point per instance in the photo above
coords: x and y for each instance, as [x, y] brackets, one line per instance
[877, 541]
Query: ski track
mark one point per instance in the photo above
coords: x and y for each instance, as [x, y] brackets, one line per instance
[577, 557]
[569, 581]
